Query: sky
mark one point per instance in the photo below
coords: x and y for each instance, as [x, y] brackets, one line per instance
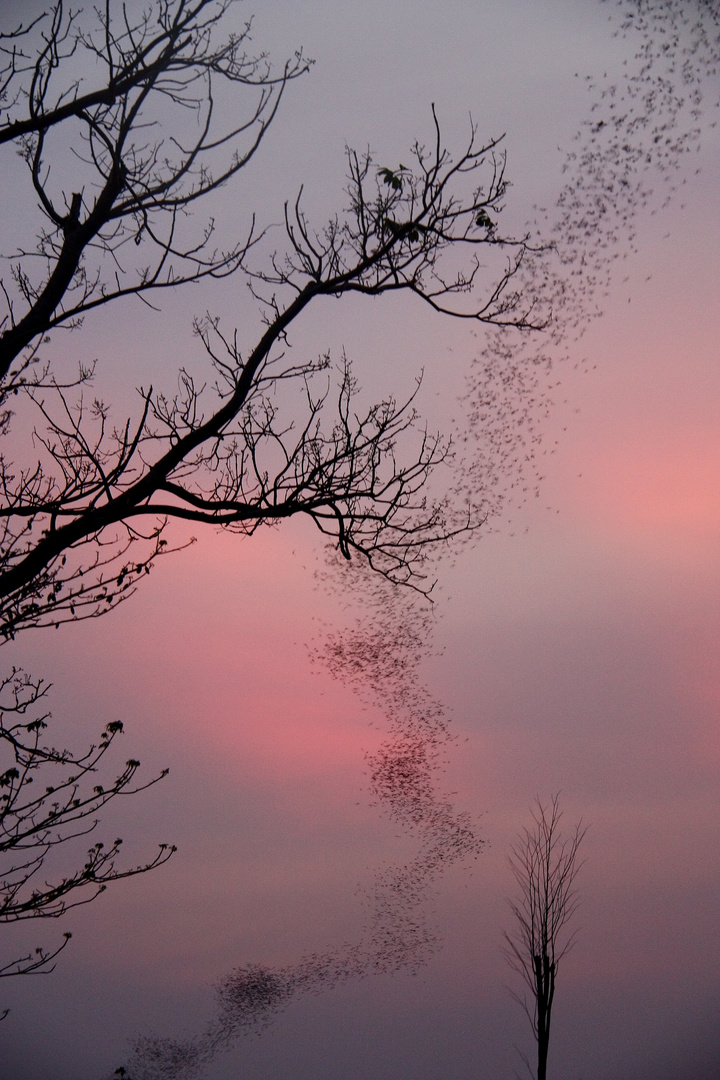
[574, 647]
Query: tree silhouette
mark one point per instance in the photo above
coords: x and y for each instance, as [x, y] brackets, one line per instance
[49, 797]
[118, 117]
[545, 865]
[84, 502]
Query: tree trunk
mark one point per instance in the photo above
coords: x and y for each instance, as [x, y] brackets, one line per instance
[545, 987]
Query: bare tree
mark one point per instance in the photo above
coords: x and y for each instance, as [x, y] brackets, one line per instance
[545, 865]
[49, 797]
[133, 184]
[117, 118]
[105, 100]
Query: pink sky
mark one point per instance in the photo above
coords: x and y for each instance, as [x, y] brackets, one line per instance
[579, 646]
